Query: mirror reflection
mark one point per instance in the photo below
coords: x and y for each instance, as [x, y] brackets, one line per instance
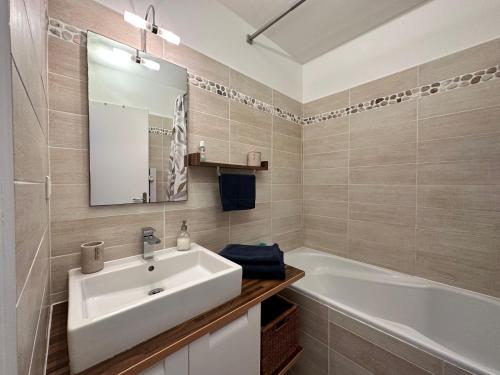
[137, 125]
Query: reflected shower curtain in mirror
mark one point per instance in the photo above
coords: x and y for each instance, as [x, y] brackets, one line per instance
[177, 168]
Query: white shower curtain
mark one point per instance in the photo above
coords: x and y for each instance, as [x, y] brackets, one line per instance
[177, 169]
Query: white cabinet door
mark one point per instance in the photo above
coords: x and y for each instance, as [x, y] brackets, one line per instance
[233, 349]
[175, 364]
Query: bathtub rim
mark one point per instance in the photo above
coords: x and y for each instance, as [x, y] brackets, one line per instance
[436, 350]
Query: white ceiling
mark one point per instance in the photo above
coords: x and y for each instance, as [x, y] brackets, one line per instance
[318, 26]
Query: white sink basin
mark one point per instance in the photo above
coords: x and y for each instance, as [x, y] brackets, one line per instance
[112, 310]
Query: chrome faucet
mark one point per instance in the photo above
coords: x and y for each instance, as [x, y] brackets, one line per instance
[149, 240]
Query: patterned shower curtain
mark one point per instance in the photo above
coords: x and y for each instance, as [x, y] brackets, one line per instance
[177, 168]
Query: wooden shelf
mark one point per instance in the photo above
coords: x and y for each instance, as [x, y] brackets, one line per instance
[285, 367]
[194, 161]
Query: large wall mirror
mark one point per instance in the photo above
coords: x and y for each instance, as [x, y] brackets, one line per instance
[137, 125]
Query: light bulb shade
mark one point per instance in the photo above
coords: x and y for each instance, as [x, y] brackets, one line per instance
[153, 65]
[135, 20]
[169, 36]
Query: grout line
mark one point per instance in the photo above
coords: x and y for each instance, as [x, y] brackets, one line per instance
[348, 185]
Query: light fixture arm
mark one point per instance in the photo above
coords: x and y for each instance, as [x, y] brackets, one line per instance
[154, 28]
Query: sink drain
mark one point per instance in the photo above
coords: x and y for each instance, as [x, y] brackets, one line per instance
[155, 291]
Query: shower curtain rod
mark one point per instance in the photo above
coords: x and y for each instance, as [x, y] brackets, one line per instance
[250, 38]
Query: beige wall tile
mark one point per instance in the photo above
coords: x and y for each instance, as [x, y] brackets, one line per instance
[327, 160]
[68, 166]
[31, 222]
[213, 239]
[383, 194]
[402, 153]
[474, 172]
[30, 143]
[382, 213]
[67, 236]
[395, 174]
[330, 225]
[340, 365]
[335, 176]
[325, 192]
[243, 113]
[390, 125]
[206, 125]
[327, 104]
[337, 209]
[288, 240]
[60, 265]
[305, 302]
[287, 104]
[368, 355]
[250, 87]
[262, 211]
[263, 193]
[196, 62]
[206, 102]
[248, 134]
[286, 176]
[486, 197]
[286, 192]
[457, 220]
[327, 144]
[68, 130]
[216, 149]
[466, 61]
[326, 128]
[28, 309]
[391, 84]
[285, 127]
[478, 121]
[199, 219]
[460, 259]
[286, 143]
[319, 240]
[286, 208]
[386, 245]
[252, 232]
[68, 94]
[314, 360]
[387, 342]
[461, 148]
[486, 94]
[67, 59]
[286, 159]
[287, 224]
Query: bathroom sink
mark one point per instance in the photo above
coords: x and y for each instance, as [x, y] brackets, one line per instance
[132, 300]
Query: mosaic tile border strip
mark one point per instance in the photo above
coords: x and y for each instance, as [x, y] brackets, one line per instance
[66, 32]
[72, 34]
[445, 85]
[159, 131]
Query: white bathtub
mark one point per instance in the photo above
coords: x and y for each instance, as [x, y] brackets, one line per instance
[453, 324]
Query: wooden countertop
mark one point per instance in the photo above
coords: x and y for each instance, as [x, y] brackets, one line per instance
[146, 354]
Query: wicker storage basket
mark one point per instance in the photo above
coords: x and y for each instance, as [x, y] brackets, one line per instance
[279, 333]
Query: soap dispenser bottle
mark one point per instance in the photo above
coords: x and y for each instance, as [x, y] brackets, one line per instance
[183, 239]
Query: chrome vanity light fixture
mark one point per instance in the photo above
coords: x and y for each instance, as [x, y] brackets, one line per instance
[145, 25]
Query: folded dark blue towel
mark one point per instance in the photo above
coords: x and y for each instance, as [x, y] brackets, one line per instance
[258, 262]
[249, 254]
[237, 191]
[265, 271]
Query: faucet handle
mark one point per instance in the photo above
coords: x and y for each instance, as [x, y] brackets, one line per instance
[148, 231]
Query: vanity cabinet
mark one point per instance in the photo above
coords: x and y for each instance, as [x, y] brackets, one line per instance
[232, 349]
